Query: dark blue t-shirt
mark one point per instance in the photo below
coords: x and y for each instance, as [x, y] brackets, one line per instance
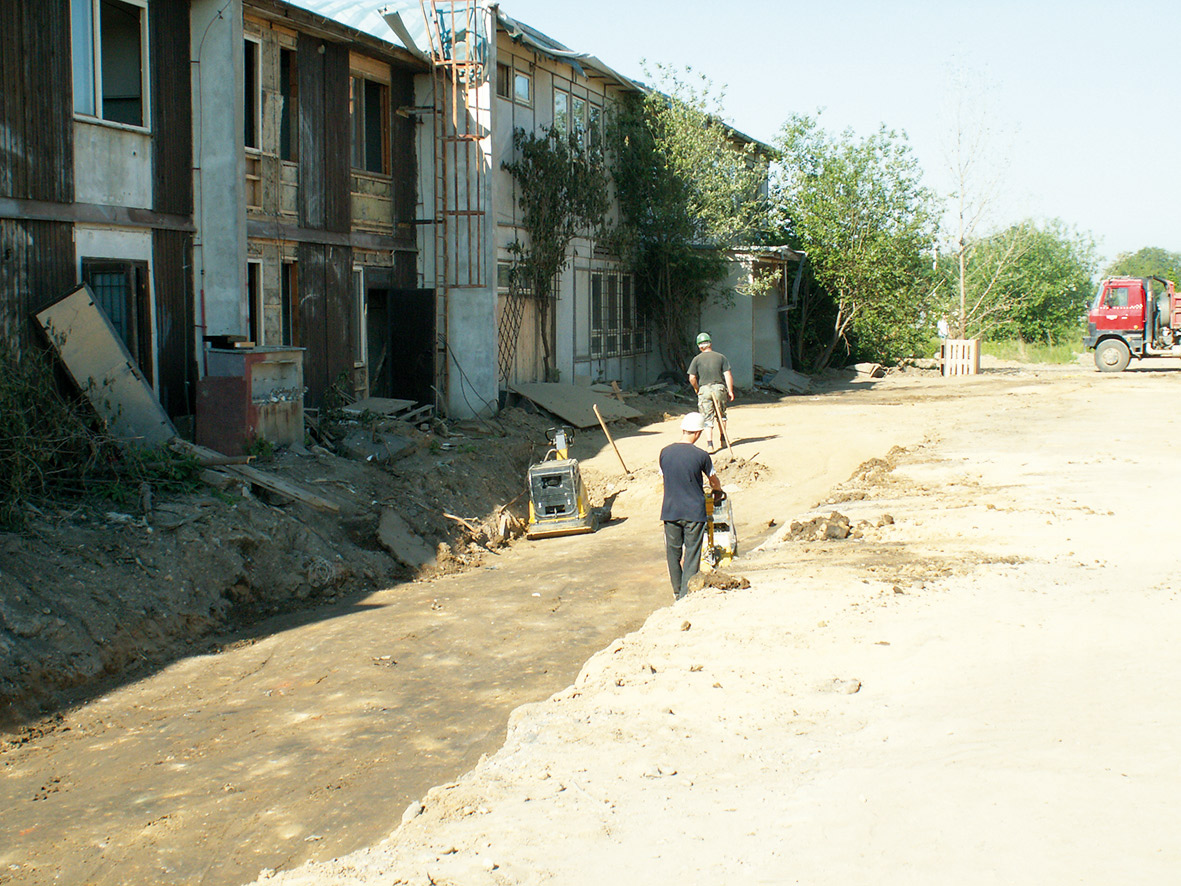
[684, 467]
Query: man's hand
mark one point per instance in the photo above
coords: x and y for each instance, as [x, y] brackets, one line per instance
[731, 396]
[719, 496]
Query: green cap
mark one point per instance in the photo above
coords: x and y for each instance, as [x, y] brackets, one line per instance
[703, 337]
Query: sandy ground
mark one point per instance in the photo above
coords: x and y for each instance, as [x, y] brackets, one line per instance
[978, 690]
[975, 689]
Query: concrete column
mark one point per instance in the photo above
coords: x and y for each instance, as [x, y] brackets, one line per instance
[219, 174]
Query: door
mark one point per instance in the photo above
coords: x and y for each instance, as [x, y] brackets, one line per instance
[401, 333]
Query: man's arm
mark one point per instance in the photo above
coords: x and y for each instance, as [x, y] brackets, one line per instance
[693, 382]
[729, 384]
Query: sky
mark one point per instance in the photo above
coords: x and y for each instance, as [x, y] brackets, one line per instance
[1079, 100]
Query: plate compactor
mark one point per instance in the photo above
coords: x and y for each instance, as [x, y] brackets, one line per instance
[557, 499]
[721, 536]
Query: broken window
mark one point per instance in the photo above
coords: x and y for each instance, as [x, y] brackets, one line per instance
[289, 304]
[253, 101]
[254, 311]
[504, 76]
[110, 59]
[120, 288]
[289, 115]
[370, 104]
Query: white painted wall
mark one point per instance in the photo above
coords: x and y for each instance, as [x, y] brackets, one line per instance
[112, 165]
[219, 250]
[732, 328]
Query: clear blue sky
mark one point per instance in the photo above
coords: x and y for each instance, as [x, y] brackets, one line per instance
[1084, 98]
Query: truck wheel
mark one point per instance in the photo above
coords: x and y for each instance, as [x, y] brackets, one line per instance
[1112, 356]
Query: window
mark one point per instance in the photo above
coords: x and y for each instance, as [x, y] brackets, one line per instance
[254, 301]
[578, 118]
[562, 112]
[289, 113]
[110, 40]
[1117, 297]
[522, 88]
[504, 77]
[289, 304]
[253, 103]
[614, 329]
[120, 288]
[370, 103]
[595, 127]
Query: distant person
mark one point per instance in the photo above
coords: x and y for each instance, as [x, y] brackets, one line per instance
[943, 329]
[683, 466]
[710, 376]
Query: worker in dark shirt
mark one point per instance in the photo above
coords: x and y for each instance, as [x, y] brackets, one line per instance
[711, 378]
[683, 466]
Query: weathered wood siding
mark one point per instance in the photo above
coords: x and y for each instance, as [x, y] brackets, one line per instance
[405, 162]
[36, 268]
[324, 134]
[36, 101]
[325, 318]
[172, 108]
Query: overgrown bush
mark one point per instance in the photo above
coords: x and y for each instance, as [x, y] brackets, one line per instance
[53, 449]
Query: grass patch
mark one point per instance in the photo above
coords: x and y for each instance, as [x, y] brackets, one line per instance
[1033, 352]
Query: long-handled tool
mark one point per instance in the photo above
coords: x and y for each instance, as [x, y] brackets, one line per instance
[721, 422]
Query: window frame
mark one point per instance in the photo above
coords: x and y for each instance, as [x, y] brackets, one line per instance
[362, 102]
[525, 77]
[250, 72]
[94, 53]
[136, 274]
[289, 304]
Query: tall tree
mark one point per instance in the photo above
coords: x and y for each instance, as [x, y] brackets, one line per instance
[1043, 287]
[859, 208]
[1151, 261]
[688, 187]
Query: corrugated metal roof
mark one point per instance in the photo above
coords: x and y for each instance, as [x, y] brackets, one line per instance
[363, 15]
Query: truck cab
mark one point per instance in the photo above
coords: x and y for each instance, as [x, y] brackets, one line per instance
[1133, 317]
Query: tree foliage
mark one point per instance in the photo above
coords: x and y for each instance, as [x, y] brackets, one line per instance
[562, 192]
[1151, 261]
[1028, 281]
[687, 189]
[858, 207]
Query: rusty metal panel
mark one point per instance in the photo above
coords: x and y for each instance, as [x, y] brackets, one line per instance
[172, 258]
[37, 268]
[172, 108]
[36, 113]
[337, 138]
[311, 131]
[103, 369]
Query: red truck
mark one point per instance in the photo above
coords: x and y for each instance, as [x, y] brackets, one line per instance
[1133, 317]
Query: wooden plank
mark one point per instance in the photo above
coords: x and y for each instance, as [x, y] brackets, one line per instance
[574, 403]
[379, 406]
[262, 479]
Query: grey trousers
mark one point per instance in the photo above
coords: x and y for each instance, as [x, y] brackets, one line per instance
[683, 536]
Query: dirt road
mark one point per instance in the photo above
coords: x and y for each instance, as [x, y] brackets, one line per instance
[310, 742]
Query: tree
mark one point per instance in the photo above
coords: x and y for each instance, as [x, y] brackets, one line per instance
[859, 209]
[1046, 285]
[1147, 262]
[562, 192]
[688, 187]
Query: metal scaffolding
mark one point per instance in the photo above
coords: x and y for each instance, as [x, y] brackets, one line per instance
[459, 54]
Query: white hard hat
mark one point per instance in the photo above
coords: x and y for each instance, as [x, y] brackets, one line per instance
[693, 421]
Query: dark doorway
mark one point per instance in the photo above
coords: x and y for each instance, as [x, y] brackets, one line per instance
[402, 344]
